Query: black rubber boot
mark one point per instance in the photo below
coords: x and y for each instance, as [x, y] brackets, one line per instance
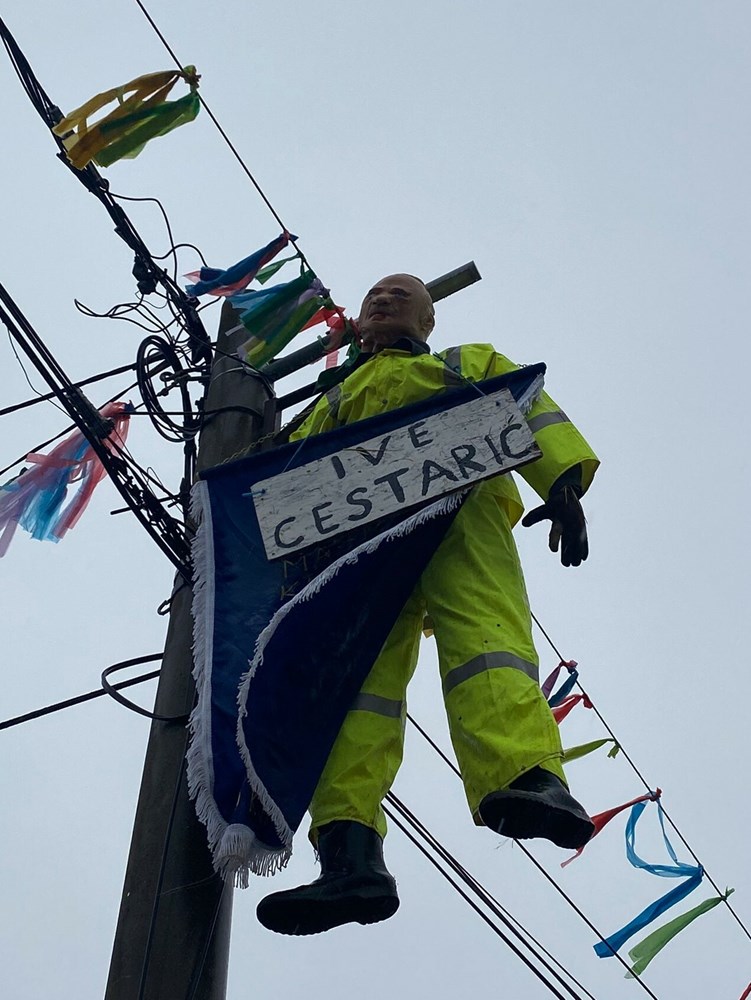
[538, 804]
[354, 886]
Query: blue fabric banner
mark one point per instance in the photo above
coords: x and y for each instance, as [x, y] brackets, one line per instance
[295, 638]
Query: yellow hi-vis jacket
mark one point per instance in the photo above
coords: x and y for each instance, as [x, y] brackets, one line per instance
[395, 377]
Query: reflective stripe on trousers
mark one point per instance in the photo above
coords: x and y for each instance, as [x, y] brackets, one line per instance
[500, 723]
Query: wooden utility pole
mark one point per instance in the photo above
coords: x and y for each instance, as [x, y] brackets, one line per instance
[173, 930]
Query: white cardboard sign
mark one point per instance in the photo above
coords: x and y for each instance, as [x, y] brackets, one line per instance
[420, 461]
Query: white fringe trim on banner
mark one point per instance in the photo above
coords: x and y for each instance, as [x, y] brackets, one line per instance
[199, 756]
[235, 849]
[530, 396]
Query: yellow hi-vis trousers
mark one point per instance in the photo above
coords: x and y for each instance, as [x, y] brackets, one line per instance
[500, 723]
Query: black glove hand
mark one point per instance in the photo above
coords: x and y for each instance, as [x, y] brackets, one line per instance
[569, 524]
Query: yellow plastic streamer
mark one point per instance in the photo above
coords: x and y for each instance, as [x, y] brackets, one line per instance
[142, 113]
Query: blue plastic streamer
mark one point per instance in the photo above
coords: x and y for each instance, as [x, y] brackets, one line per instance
[214, 280]
[564, 690]
[608, 947]
[691, 873]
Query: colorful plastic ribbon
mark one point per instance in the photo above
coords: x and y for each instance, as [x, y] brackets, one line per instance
[602, 819]
[692, 875]
[35, 499]
[565, 689]
[215, 281]
[567, 685]
[337, 324]
[574, 753]
[562, 709]
[332, 316]
[141, 116]
[268, 272]
[275, 315]
[643, 953]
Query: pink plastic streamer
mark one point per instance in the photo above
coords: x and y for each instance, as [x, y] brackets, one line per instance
[36, 498]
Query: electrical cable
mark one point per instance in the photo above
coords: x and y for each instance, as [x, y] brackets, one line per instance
[51, 395]
[65, 430]
[165, 530]
[170, 237]
[26, 375]
[113, 692]
[475, 886]
[122, 311]
[224, 135]
[146, 271]
[90, 695]
[195, 980]
[160, 882]
[531, 857]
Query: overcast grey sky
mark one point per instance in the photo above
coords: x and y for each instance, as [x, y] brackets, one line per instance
[593, 159]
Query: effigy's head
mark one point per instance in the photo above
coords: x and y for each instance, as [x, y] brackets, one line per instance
[398, 305]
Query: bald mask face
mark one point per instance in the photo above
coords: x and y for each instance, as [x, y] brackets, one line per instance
[396, 306]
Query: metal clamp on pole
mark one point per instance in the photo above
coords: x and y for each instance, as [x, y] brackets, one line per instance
[453, 281]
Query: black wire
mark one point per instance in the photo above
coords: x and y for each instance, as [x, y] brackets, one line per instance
[97, 185]
[185, 246]
[435, 746]
[165, 354]
[165, 217]
[31, 385]
[514, 925]
[90, 695]
[173, 246]
[121, 311]
[224, 135]
[160, 883]
[51, 395]
[112, 691]
[552, 881]
[162, 527]
[195, 980]
[540, 975]
[66, 430]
